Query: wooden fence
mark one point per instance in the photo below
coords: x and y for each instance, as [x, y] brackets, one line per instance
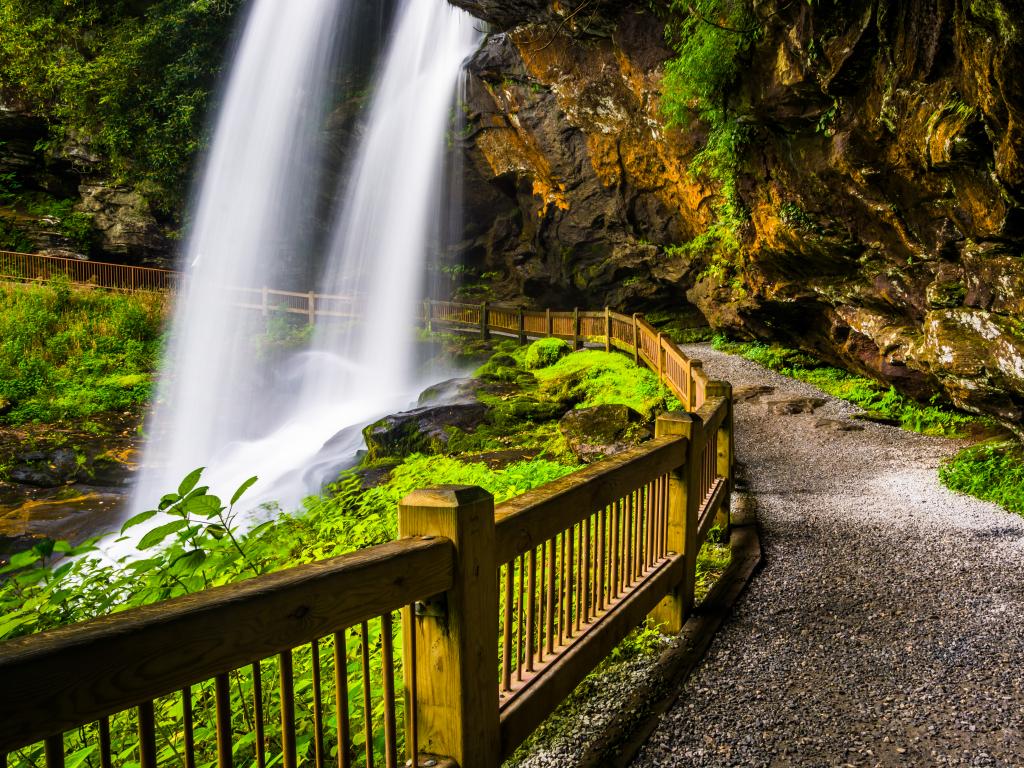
[30, 268]
[504, 610]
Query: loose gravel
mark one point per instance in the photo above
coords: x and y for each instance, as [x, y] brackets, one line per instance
[887, 627]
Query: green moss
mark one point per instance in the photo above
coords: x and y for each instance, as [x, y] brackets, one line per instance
[544, 353]
[879, 402]
[990, 471]
[591, 377]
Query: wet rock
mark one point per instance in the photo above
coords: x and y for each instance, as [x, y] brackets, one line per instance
[791, 406]
[604, 430]
[423, 430]
[46, 469]
[452, 391]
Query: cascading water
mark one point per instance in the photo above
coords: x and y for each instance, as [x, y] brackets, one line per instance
[221, 405]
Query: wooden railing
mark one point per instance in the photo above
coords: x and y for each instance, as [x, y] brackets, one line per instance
[33, 267]
[504, 609]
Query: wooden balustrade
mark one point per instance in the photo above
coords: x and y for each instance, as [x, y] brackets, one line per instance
[504, 610]
[195, 648]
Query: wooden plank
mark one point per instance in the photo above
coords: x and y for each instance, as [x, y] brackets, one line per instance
[534, 517]
[538, 697]
[58, 680]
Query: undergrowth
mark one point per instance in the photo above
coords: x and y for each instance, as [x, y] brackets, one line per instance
[992, 471]
[878, 401]
[70, 353]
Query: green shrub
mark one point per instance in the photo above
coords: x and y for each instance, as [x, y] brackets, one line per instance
[544, 353]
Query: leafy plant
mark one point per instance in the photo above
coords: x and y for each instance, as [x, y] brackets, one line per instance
[991, 471]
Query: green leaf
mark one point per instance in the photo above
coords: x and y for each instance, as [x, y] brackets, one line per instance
[242, 489]
[169, 500]
[160, 533]
[23, 559]
[204, 506]
[138, 519]
[190, 481]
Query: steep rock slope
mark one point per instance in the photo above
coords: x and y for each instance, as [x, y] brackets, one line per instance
[880, 181]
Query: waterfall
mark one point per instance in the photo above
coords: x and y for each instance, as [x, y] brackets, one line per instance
[289, 421]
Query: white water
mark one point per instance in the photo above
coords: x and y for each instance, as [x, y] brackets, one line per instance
[219, 405]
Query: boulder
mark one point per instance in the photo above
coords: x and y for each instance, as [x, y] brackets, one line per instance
[423, 430]
[601, 431]
[46, 469]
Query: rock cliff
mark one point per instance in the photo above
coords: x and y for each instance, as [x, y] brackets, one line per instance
[881, 181]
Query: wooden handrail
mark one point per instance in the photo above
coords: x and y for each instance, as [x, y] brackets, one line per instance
[57, 680]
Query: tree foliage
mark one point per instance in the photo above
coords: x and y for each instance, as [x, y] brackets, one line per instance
[126, 80]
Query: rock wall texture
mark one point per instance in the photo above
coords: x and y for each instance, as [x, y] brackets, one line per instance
[883, 181]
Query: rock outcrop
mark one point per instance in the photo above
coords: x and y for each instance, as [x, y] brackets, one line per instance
[882, 182]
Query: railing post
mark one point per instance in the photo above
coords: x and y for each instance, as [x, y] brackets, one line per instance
[726, 452]
[456, 643]
[549, 323]
[312, 308]
[522, 327]
[485, 330]
[577, 342]
[265, 303]
[607, 329]
[428, 315]
[695, 365]
[683, 506]
[636, 338]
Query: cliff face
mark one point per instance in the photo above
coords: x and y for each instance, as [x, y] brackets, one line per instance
[882, 182]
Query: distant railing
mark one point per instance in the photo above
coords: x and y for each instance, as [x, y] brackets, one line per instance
[506, 609]
[31, 268]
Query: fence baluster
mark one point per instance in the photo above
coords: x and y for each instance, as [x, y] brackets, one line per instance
[341, 700]
[222, 696]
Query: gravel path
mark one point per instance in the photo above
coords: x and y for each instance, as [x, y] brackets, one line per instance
[887, 627]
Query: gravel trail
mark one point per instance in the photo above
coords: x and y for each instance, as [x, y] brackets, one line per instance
[887, 627]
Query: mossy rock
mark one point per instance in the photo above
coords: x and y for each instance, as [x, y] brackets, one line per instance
[544, 353]
[423, 430]
[524, 409]
[604, 430]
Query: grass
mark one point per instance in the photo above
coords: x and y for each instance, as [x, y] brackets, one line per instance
[70, 353]
[991, 471]
[878, 401]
